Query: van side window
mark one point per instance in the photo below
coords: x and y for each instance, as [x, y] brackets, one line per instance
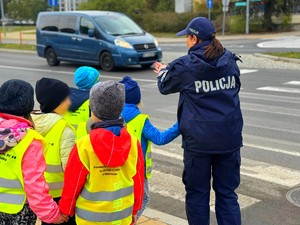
[67, 24]
[49, 23]
[86, 25]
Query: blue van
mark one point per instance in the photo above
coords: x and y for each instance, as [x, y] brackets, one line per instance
[108, 39]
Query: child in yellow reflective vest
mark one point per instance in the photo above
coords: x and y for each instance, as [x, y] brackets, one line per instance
[104, 177]
[140, 126]
[24, 194]
[53, 97]
[85, 78]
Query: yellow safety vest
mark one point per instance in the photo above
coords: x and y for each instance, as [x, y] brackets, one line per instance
[82, 114]
[12, 194]
[81, 130]
[135, 127]
[54, 173]
[108, 194]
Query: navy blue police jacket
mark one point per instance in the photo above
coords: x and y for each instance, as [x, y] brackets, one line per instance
[209, 113]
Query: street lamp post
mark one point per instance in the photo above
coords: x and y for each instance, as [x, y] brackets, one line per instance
[2, 18]
[247, 16]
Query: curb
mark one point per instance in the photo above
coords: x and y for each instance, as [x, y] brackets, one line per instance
[17, 51]
[277, 58]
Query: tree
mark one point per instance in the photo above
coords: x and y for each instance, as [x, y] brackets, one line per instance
[275, 8]
[26, 9]
[130, 7]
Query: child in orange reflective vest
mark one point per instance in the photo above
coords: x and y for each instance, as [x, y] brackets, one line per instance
[144, 130]
[108, 164]
[24, 194]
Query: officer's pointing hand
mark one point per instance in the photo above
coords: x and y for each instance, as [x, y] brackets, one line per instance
[158, 66]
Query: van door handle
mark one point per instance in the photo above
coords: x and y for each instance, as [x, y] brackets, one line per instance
[79, 39]
[73, 38]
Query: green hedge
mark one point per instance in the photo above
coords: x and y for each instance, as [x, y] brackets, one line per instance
[165, 22]
[237, 24]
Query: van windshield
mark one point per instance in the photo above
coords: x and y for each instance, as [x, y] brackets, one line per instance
[118, 25]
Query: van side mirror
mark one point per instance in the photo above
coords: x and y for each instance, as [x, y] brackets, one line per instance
[91, 33]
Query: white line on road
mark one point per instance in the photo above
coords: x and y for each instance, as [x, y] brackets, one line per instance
[65, 72]
[294, 82]
[173, 188]
[260, 170]
[270, 109]
[164, 217]
[245, 71]
[273, 98]
[280, 89]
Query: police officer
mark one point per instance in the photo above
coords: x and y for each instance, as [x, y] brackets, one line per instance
[210, 119]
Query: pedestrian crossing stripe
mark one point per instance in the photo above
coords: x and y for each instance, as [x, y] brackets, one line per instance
[280, 89]
[174, 190]
[279, 175]
[294, 82]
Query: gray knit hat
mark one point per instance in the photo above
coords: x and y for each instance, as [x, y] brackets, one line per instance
[107, 100]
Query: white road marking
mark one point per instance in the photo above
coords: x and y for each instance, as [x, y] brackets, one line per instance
[270, 109]
[280, 89]
[287, 42]
[294, 82]
[263, 171]
[245, 71]
[64, 72]
[164, 217]
[273, 98]
[175, 189]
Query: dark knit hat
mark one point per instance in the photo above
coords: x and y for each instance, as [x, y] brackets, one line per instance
[50, 93]
[132, 91]
[17, 98]
[107, 100]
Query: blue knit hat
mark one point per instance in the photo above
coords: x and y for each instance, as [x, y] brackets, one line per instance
[85, 77]
[132, 91]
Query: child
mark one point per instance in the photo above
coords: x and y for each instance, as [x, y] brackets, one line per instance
[54, 100]
[85, 77]
[108, 164]
[140, 126]
[23, 190]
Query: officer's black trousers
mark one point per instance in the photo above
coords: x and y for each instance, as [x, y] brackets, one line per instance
[225, 172]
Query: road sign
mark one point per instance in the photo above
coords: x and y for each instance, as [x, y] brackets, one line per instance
[53, 3]
[225, 2]
[209, 4]
[225, 9]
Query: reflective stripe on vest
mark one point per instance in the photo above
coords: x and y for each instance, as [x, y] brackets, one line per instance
[17, 199]
[108, 194]
[7, 183]
[54, 174]
[104, 217]
[12, 194]
[82, 114]
[135, 127]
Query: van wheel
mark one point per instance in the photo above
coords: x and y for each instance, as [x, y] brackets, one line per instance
[107, 62]
[52, 57]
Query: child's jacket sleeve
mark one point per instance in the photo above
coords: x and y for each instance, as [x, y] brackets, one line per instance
[152, 134]
[35, 186]
[75, 177]
[139, 180]
[66, 144]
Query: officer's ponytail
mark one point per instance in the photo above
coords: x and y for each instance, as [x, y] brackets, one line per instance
[215, 49]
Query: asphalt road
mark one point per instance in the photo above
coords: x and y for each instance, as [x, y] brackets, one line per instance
[270, 165]
[242, 46]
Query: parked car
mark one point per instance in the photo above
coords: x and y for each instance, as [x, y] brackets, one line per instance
[108, 39]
